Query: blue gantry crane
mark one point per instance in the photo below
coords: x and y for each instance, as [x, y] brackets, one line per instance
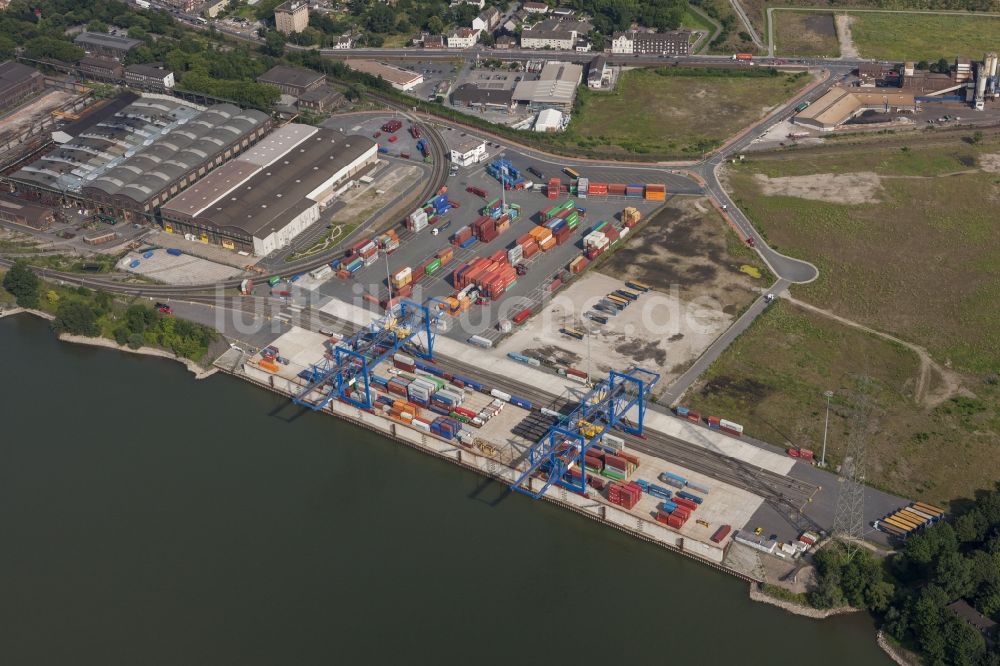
[608, 405]
[345, 370]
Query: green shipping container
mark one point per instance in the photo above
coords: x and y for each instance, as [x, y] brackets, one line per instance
[601, 226]
[433, 266]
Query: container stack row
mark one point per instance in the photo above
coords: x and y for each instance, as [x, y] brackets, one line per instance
[492, 276]
[626, 495]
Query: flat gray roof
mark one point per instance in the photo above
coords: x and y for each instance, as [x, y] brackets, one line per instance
[290, 76]
[279, 190]
[228, 176]
[106, 41]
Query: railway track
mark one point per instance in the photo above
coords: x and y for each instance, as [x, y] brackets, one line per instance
[439, 175]
[783, 492]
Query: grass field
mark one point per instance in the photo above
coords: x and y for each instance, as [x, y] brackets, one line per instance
[918, 259]
[672, 116]
[805, 34]
[923, 36]
[772, 381]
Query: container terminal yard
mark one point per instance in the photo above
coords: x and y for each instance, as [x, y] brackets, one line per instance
[397, 330]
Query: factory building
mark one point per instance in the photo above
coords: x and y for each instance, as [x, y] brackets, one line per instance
[555, 88]
[294, 81]
[838, 105]
[127, 163]
[25, 213]
[109, 46]
[400, 79]
[149, 77]
[18, 82]
[263, 199]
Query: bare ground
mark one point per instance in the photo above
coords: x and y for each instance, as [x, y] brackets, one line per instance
[845, 188]
[847, 48]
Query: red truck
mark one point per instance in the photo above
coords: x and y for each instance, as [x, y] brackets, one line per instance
[743, 57]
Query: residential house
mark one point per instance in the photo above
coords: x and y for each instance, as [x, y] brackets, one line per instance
[463, 38]
[673, 42]
[535, 7]
[488, 20]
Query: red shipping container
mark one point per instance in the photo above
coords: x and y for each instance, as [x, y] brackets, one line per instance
[521, 316]
[555, 284]
[684, 514]
[714, 420]
[806, 454]
[629, 457]
[675, 522]
[525, 239]
[499, 257]
[563, 235]
[662, 517]
[592, 253]
[531, 249]
[694, 416]
[610, 232]
[404, 291]
[576, 373]
[721, 533]
[685, 503]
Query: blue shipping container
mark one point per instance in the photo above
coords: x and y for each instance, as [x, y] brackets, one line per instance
[174, 251]
[689, 496]
[682, 411]
[469, 243]
[520, 402]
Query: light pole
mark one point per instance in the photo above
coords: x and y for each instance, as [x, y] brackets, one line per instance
[826, 427]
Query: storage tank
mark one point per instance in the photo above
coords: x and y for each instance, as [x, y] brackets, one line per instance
[991, 64]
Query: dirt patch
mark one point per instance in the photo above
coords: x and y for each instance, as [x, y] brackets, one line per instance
[685, 248]
[642, 350]
[845, 188]
[990, 162]
[743, 388]
[847, 47]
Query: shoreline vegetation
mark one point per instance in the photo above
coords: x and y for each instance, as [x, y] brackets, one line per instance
[196, 369]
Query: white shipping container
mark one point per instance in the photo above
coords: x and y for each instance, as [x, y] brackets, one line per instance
[723, 423]
[500, 395]
[426, 427]
[321, 272]
[480, 341]
[402, 358]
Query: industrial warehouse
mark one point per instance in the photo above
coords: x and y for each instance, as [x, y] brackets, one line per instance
[260, 201]
[129, 162]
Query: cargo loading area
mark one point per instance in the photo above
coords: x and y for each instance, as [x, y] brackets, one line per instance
[471, 227]
[493, 424]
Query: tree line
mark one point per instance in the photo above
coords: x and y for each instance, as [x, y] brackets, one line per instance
[81, 311]
[911, 592]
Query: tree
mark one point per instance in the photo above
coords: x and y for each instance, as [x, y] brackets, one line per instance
[49, 47]
[923, 65]
[137, 32]
[76, 317]
[977, 137]
[381, 18]
[97, 25]
[435, 25]
[7, 46]
[274, 43]
[23, 284]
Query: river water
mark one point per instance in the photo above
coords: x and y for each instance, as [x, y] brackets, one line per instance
[148, 518]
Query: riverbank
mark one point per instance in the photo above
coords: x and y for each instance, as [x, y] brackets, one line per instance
[197, 370]
[756, 594]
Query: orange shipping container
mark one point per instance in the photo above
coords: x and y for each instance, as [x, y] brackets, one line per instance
[548, 244]
[269, 366]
